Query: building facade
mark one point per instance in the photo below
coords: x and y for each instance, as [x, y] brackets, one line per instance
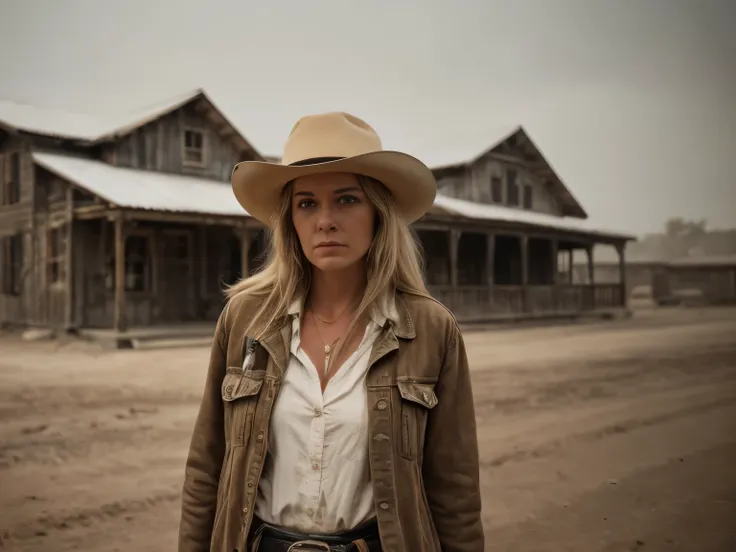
[131, 223]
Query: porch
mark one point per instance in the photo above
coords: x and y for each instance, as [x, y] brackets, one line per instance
[498, 271]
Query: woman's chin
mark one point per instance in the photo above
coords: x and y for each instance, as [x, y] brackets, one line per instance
[333, 264]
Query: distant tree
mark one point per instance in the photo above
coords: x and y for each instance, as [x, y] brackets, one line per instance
[684, 237]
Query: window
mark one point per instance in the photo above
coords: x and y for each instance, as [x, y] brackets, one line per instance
[11, 261]
[527, 196]
[193, 147]
[512, 188]
[136, 268]
[10, 192]
[496, 190]
[55, 254]
[136, 263]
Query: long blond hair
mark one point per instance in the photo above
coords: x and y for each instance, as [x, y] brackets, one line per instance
[393, 262]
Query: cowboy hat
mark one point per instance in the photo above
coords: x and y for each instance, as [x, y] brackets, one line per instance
[334, 142]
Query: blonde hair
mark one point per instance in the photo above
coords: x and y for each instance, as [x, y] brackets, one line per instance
[393, 263]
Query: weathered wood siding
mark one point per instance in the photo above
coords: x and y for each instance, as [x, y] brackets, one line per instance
[717, 284]
[158, 146]
[474, 183]
[16, 219]
[187, 267]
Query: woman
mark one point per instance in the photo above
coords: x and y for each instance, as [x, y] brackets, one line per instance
[337, 412]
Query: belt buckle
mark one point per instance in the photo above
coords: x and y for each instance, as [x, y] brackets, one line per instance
[309, 546]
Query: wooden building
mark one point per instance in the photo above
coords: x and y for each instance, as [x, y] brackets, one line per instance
[131, 223]
[709, 280]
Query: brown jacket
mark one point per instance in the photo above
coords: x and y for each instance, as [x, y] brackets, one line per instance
[423, 447]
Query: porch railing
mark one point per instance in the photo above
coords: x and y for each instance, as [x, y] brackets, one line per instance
[494, 301]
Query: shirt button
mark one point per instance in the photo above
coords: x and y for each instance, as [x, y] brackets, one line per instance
[245, 510]
[310, 511]
[382, 405]
[317, 412]
[315, 467]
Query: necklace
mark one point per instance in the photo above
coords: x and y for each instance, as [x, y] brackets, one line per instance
[328, 348]
[333, 321]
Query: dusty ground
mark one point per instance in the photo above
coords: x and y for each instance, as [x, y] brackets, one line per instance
[603, 437]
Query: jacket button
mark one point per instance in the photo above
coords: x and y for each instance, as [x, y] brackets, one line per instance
[381, 405]
[229, 390]
[250, 483]
[245, 510]
[260, 437]
[383, 505]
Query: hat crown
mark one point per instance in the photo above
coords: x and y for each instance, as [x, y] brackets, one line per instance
[335, 134]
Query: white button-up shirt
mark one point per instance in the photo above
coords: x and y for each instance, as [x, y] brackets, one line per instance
[316, 478]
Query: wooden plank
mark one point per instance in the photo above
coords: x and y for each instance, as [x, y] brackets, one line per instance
[120, 318]
[621, 249]
[525, 270]
[490, 257]
[68, 260]
[244, 235]
[454, 239]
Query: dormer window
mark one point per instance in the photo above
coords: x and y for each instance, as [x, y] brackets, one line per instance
[193, 147]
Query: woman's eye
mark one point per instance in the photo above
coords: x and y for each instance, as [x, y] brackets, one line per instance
[305, 203]
[348, 199]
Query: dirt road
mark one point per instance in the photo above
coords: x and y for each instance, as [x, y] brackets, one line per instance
[603, 437]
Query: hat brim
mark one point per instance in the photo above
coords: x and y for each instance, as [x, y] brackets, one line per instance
[257, 185]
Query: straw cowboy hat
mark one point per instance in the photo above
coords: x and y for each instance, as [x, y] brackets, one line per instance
[334, 142]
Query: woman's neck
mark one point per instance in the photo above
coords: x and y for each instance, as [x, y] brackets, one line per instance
[332, 293]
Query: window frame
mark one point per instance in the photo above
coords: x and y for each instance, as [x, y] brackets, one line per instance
[55, 277]
[185, 149]
[11, 263]
[10, 191]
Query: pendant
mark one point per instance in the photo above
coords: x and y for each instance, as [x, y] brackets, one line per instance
[327, 349]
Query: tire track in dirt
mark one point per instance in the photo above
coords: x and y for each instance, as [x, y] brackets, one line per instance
[65, 440]
[630, 377]
[46, 525]
[547, 448]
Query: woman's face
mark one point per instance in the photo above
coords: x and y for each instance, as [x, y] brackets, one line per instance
[333, 219]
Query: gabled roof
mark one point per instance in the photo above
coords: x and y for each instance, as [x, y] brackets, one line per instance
[138, 189]
[149, 190]
[542, 167]
[95, 129]
[482, 211]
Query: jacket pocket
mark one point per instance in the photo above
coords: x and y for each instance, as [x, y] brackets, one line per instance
[417, 399]
[240, 391]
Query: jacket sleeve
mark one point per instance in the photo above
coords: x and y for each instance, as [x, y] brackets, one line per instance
[206, 453]
[451, 465]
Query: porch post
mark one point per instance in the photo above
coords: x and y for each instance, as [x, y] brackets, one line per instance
[524, 271]
[244, 250]
[621, 249]
[554, 246]
[591, 274]
[454, 241]
[70, 272]
[570, 265]
[120, 318]
[490, 255]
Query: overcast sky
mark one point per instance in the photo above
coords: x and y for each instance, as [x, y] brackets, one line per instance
[632, 101]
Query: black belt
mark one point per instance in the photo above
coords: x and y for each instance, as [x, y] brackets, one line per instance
[271, 538]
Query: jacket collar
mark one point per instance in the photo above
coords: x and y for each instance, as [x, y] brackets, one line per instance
[392, 312]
